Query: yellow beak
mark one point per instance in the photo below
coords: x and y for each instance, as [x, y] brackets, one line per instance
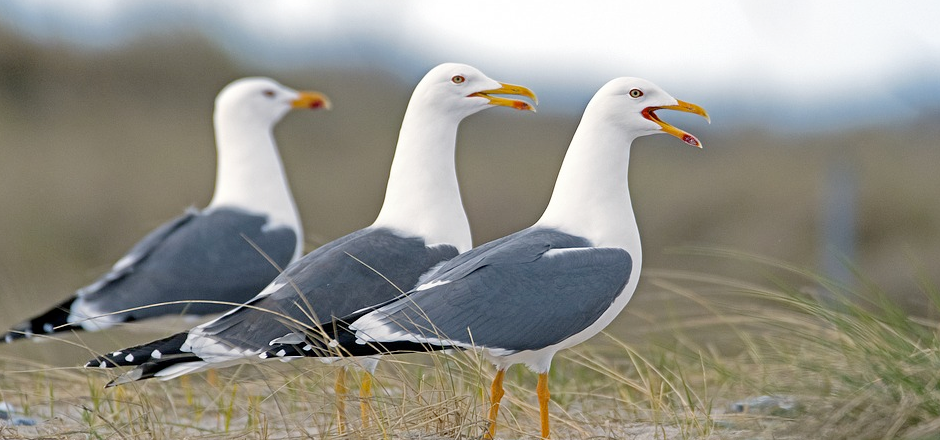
[682, 106]
[312, 100]
[509, 89]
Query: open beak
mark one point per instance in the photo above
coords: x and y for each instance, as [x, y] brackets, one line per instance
[312, 100]
[509, 89]
[682, 106]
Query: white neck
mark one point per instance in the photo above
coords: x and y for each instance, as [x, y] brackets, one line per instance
[423, 198]
[250, 175]
[591, 197]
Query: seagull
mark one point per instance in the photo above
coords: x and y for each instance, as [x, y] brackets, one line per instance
[421, 224]
[204, 261]
[522, 298]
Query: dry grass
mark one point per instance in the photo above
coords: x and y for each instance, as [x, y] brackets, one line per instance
[856, 363]
[854, 367]
[412, 401]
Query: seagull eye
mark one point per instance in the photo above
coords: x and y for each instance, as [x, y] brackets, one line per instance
[636, 93]
[458, 79]
[269, 93]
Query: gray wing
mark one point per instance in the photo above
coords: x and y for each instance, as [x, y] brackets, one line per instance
[201, 256]
[365, 268]
[513, 295]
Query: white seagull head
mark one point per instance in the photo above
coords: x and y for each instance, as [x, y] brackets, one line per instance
[631, 103]
[462, 90]
[265, 100]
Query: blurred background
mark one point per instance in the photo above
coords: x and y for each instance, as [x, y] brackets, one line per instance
[823, 148]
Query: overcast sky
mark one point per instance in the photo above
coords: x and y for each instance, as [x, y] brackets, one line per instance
[863, 60]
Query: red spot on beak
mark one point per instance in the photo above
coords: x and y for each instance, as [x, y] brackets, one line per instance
[520, 105]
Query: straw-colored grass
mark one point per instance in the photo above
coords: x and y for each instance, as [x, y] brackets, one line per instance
[852, 366]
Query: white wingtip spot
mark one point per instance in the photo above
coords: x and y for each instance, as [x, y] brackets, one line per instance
[333, 343]
[129, 357]
[308, 347]
[102, 365]
[156, 354]
[263, 355]
[116, 354]
[281, 353]
[47, 327]
[8, 338]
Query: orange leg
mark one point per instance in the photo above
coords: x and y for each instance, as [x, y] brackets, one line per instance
[340, 390]
[496, 394]
[542, 390]
[365, 393]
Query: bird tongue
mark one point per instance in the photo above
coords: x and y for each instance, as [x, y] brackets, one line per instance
[691, 140]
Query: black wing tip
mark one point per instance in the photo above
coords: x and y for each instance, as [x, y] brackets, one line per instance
[283, 352]
[32, 330]
[112, 360]
[347, 345]
[315, 345]
[54, 320]
[15, 335]
[121, 358]
[99, 362]
[108, 361]
[141, 354]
